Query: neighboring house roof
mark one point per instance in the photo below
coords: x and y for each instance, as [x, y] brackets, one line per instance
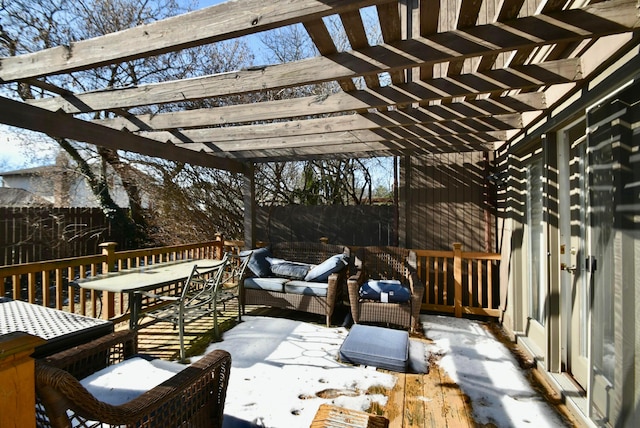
[30, 171]
[20, 198]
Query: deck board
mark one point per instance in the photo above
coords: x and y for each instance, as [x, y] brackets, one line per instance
[417, 400]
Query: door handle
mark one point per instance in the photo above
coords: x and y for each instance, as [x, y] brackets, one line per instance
[565, 267]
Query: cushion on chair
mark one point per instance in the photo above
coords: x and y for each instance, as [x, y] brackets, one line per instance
[293, 270]
[258, 263]
[386, 290]
[376, 346]
[307, 288]
[321, 272]
[267, 284]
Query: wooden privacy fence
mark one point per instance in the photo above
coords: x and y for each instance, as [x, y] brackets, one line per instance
[31, 234]
[52, 283]
[460, 281]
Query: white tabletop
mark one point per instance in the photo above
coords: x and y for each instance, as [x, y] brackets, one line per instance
[146, 278]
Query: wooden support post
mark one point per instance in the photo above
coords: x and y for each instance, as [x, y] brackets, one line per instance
[108, 299]
[17, 377]
[457, 278]
[219, 246]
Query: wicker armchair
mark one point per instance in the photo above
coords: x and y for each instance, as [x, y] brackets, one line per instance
[193, 397]
[386, 263]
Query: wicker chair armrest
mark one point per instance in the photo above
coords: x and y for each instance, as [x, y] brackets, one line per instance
[358, 277]
[415, 284]
[194, 396]
[88, 358]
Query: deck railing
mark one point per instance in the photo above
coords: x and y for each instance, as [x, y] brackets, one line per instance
[53, 283]
[457, 282]
[460, 281]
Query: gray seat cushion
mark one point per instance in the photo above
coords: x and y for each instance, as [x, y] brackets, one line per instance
[307, 288]
[376, 346]
[268, 284]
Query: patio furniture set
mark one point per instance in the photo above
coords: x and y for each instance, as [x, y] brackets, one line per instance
[382, 288]
[382, 282]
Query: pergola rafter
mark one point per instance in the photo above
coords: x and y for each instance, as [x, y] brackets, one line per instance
[436, 84]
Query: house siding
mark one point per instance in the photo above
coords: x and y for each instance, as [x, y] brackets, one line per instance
[611, 106]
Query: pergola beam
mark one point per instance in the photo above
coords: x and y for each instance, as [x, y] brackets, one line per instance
[308, 129]
[209, 25]
[520, 77]
[289, 109]
[15, 113]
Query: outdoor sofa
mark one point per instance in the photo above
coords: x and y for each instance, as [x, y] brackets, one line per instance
[302, 276]
[193, 397]
[385, 288]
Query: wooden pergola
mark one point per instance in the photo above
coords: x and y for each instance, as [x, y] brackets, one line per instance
[445, 79]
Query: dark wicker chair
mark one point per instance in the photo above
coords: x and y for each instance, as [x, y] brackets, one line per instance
[193, 397]
[386, 263]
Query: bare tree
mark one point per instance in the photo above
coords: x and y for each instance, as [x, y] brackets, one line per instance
[318, 182]
[31, 25]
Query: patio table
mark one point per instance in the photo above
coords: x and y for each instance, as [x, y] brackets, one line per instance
[147, 278]
[60, 329]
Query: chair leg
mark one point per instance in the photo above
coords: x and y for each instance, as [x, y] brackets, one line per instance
[215, 321]
[181, 333]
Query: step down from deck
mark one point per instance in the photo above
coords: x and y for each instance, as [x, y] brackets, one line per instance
[376, 346]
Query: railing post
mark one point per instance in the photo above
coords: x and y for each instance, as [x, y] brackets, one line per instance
[108, 250]
[457, 278]
[109, 265]
[17, 375]
[219, 246]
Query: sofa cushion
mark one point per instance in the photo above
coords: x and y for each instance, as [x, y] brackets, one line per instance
[385, 290]
[321, 272]
[258, 263]
[306, 288]
[267, 284]
[293, 270]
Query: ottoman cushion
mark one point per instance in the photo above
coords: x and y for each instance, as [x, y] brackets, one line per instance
[376, 346]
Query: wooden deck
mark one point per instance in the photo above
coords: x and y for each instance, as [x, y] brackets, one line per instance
[417, 400]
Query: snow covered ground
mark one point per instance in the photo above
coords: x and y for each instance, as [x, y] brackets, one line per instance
[282, 370]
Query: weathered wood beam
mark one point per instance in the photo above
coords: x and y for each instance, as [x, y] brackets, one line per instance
[429, 16]
[287, 109]
[467, 17]
[509, 9]
[324, 43]
[389, 17]
[575, 24]
[347, 151]
[519, 57]
[320, 140]
[395, 121]
[354, 28]
[16, 113]
[522, 77]
[209, 25]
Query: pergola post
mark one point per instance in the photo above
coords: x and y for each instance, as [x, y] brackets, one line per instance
[249, 199]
